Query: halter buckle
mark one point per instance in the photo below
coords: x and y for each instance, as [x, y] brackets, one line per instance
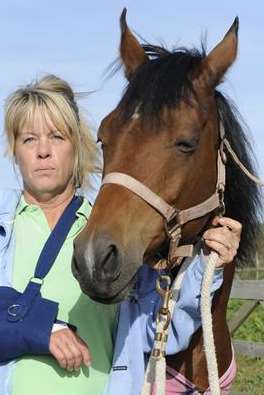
[173, 230]
[172, 224]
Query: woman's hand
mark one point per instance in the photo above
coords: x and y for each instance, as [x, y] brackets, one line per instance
[224, 239]
[69, 349]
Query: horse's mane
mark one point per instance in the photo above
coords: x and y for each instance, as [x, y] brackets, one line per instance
[164, 81]
[242, 197]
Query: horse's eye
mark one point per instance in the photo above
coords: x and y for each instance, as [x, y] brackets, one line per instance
[187, 146]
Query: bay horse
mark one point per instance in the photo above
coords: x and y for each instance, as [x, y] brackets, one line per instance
[165, 133]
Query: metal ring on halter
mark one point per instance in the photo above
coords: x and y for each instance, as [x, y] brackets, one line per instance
[173, 224]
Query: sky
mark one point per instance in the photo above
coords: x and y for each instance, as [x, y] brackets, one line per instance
[77, 40]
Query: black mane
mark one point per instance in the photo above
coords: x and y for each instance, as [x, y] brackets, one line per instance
[164, 81]
[242, 196]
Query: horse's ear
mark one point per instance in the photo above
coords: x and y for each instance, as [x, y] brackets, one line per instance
[217, 62]
[131, 52]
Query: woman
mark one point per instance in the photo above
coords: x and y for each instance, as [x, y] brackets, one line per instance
[52, 147]
[55, 153]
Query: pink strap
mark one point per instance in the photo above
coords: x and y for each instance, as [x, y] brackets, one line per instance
[177, 384]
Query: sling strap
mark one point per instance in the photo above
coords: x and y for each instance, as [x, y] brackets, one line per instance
[18, 310]
[56, 239]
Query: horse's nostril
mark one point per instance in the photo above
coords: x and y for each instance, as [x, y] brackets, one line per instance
[111, 253]
[109, 268]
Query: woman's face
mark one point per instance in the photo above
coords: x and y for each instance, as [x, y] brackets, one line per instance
[45, 158]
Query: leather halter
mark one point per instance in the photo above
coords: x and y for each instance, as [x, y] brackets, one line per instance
[175, 218]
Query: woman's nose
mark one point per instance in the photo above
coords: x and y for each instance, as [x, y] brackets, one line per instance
[44, 149]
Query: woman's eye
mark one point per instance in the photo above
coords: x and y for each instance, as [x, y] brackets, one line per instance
[28, 140]
[58, 136]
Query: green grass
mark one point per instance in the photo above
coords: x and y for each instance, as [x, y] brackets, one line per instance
[250, 375]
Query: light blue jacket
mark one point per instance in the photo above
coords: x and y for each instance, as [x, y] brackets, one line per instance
[136, 326]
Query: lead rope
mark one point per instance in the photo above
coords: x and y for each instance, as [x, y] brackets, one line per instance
[207, 325]
[234, 156]
[156, 367]
[206, 312]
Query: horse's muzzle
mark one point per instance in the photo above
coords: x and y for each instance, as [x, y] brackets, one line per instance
[101, 269]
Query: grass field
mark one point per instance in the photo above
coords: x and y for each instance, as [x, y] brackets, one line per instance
[250, 375]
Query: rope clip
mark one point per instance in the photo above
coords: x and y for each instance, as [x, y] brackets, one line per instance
[166, 295]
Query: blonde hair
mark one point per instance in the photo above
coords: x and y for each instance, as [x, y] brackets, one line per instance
[54, 98]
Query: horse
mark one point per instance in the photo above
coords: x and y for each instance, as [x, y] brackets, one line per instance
[164, 133]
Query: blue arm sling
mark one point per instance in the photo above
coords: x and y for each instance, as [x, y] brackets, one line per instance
[26, 319]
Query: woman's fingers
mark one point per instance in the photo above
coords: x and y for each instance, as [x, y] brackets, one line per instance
[69, 349]
[59, 341]
[58, 355]
[73, 354]
[84, 349]
[232, 224]
[224, 239]
[225, 255]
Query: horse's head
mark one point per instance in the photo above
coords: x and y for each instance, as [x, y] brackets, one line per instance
[164, 133]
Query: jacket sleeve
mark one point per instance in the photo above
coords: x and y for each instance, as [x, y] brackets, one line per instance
[186, 318]
[95, 180]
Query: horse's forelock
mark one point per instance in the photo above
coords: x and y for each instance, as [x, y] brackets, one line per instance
[162, 82]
